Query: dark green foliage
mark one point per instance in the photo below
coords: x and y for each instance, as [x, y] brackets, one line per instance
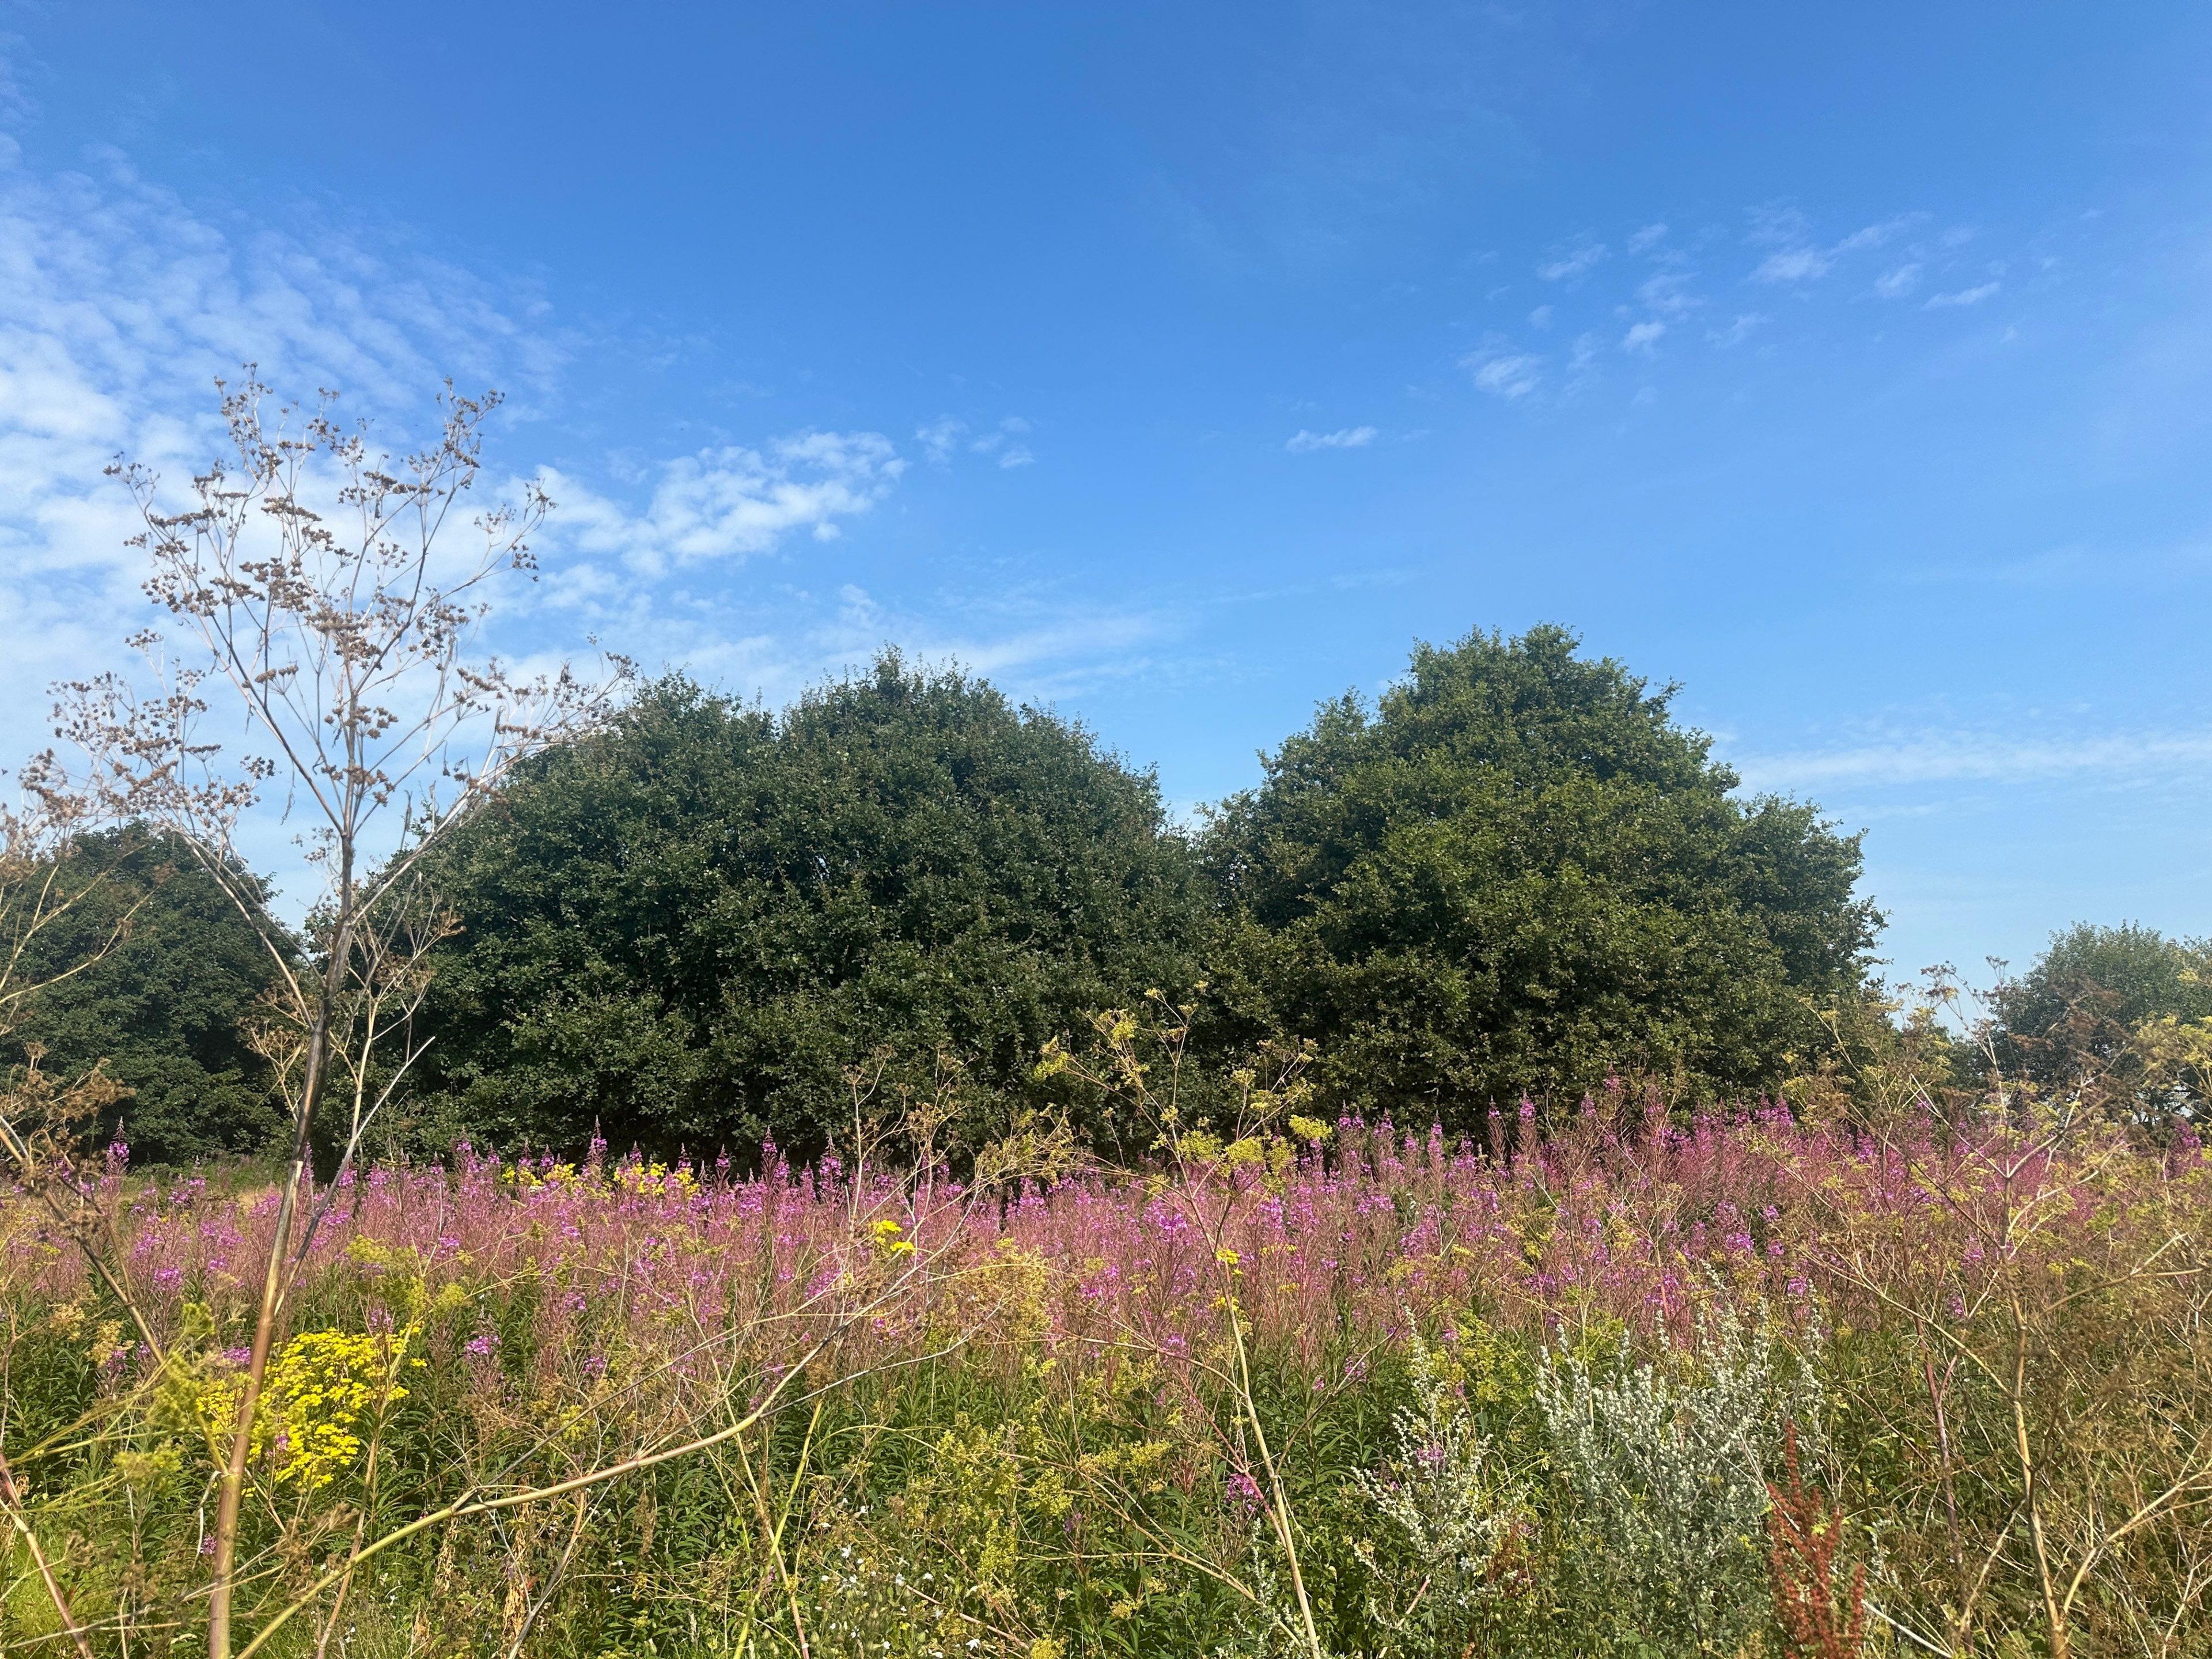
[163, 1006]
[688, 927]
[1516, 874]
[2073, 1012]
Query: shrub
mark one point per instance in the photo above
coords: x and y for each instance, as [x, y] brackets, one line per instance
[1461, 1511]
[1669, 1462]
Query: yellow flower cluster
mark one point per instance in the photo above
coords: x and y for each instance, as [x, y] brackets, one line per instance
[319, 1387]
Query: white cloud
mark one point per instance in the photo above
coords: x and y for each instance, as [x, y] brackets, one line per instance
[1969, 757]
[1040, 643]
[731, 502]
[1666, 292]
[1796, 257]
[119, 308]
[1737, 332]
[1003, 442]
[1778, 224]
[1896, 284]
[941, 437]
[1646, 239]
[1875, 236]
[1576, 261]
[1541, 317]
[1793, 264]
[1964, 297]
[1504, 373]
[1303, 442]
[1643, 337]
[946, 435]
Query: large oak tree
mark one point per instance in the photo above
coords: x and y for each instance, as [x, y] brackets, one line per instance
[1517, 872]
[688, 927]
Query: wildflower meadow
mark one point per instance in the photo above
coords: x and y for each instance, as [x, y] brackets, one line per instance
[1747, 1382]
[1239, 1324]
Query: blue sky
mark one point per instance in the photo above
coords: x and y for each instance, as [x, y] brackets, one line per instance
[1181, 364]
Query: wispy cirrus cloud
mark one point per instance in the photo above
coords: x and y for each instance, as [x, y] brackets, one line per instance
[1503, 373]
[1648, 308]
[1578, 259]
[1793, 265]
[947, 435]
[1742, 328]
[1907, 757]
[1797, 257]
[1303, 442]
[1877, 235]
[1897, 284]
[1666, 292]
[940, 438]
[1964, 297]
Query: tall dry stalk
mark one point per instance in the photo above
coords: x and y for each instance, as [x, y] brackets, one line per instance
[1141, 1060]
[316, 589]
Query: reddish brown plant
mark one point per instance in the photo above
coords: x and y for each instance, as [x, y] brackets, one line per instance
[1802, 1533]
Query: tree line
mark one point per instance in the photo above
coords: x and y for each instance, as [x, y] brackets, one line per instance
[675, 917]
[704, 923]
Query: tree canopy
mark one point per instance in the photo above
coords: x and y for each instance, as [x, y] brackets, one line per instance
[688, 927]
[2079, 1007]
[163, 1005]
[1517, 872]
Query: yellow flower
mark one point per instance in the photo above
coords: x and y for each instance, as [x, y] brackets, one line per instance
[888, 1240]
[319, 1389]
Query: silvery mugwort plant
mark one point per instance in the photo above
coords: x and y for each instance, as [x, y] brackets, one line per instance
[1457, 1508]
[1270, 1625]
[1669, 1463]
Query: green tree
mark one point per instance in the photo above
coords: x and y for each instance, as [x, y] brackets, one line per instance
[1517, 872]
[688, 927]
[164, 1003]
[2075, 1012]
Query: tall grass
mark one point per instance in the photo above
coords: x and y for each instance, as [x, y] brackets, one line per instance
[946, 1418]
